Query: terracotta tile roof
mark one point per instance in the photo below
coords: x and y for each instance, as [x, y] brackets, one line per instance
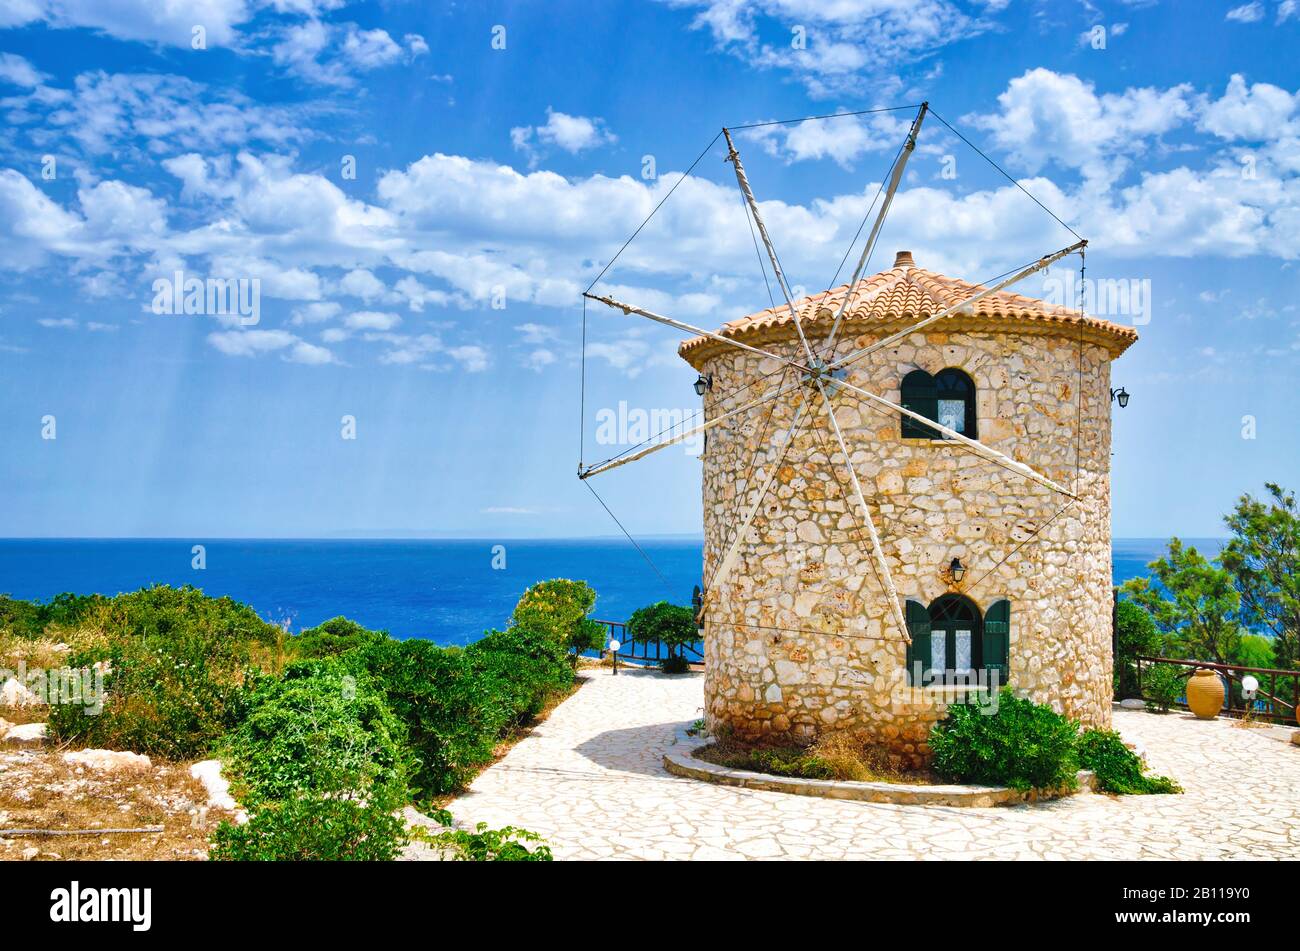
[906, 294]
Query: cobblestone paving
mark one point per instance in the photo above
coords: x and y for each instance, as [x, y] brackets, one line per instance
[591, 781]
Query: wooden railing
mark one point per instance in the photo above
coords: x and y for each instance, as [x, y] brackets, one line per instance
[1271, 697]
[645, 652]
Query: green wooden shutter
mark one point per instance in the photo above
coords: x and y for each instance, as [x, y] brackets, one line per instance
[920, 396]
[918, 628]
[997, 639]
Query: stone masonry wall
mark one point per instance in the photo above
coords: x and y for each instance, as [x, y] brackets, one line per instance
[799, 638]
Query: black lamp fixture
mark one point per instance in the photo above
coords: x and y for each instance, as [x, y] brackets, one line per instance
[1120, 396]
[957, 570]
[703, 384]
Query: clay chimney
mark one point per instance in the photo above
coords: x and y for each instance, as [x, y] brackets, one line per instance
[904, 259]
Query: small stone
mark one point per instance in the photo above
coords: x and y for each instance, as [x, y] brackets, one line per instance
[108, 761]
[30, 853]
[25, 736]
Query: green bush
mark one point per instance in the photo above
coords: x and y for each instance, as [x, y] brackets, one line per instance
[675, 664]
[1162, 686]
[334, 637]
[179, 668]
[487, 845]
[1118, 768]
[453, 713]
[318, 730]
[312, 827]
[1136, 636]
[527, 668]
[670, 624]
[559, 609]
[1022, 744]
[30, 619]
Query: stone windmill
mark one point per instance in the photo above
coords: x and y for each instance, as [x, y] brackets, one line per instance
[906, 495]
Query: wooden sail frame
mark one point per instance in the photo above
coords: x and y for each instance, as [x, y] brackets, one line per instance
[826, 377]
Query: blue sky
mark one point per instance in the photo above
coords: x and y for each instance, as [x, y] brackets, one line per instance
[433, 296]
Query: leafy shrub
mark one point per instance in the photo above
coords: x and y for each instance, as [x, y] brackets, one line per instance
[1118, 768]
[528, 668]
[1162, 686]
[487, 845]
[30, 619]
[312, 827]
[1023, 745]
[318, 730]
[1136, 636]
[452, 712]
[334, 637]
[675, 664]
[559, 609]
[179, 666]
[670, 624]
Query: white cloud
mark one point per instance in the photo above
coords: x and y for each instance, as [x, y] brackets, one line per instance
[841, 139]
[371, 320]
[252, 343]
[573, 134]
[18, 71]
[363, 284]
[847, 41]
[1052, 118]
[539, 359]
[1288, 10]
[333, 54]
[1255, 113]
[315, 313]
[1246, 13]
[61, 323]
[473, 359]
[168, 23]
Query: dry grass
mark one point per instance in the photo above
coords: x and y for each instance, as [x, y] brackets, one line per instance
[38, 790]
[845, 755]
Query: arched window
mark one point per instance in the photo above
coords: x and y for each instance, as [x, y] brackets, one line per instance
[951, 640]
[955, 394]
[948, 397]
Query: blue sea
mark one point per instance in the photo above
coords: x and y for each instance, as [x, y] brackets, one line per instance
[449, 591]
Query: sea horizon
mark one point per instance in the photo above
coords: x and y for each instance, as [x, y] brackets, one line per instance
[446, 589]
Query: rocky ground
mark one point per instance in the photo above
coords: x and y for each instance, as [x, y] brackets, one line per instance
[91, 792]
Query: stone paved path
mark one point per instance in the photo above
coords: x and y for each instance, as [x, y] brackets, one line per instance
[591, 781]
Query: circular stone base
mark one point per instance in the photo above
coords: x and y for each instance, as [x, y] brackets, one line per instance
[680, 762]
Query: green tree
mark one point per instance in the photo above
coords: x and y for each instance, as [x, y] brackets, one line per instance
[1194, 604]
[1137, 636]
[559, 609]
[1263, 558]
[670, 624]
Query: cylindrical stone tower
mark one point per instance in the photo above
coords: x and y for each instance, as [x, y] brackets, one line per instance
[1001, 577]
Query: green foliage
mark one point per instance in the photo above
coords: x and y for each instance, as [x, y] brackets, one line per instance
[179, 668]
[675, 664]
[458, 704]
[30, 619]
[312, 827]
[1263, 558]
[318, 730]
[1137, 636]
[559, 609]
[487, 845]
[791, 762]
[1256, 651]
[1162, 685]
[527, 669]
[1023, 745]
[1194, 604]
[671, 625]
[1117, 768]
[334, 637]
